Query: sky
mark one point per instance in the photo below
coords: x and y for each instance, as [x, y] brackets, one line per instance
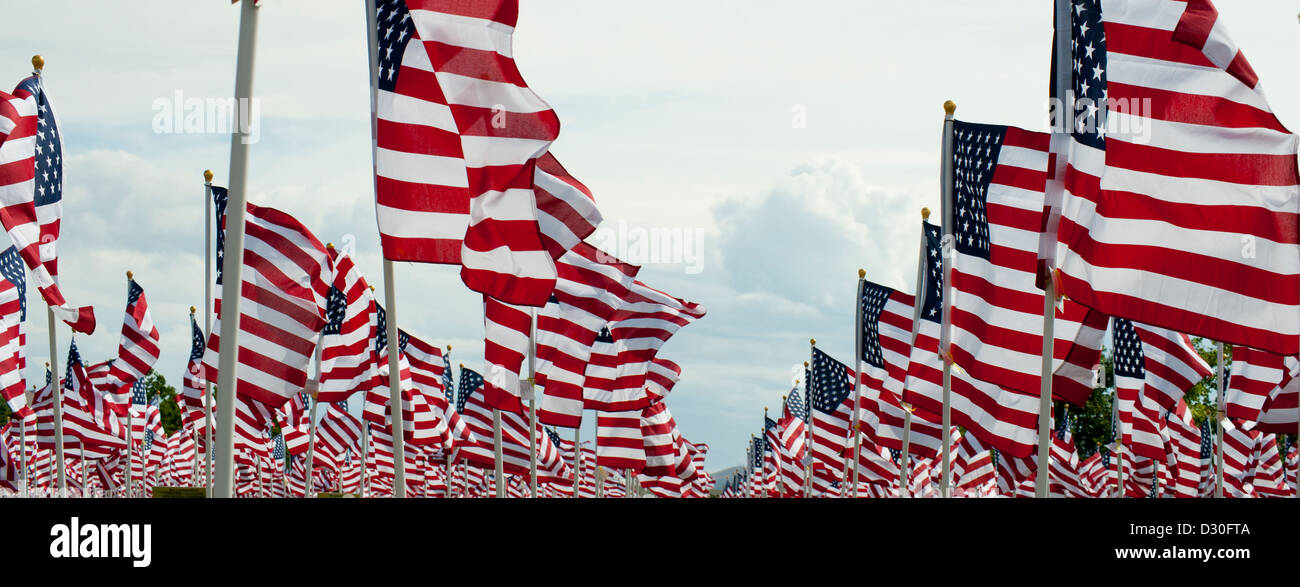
[800, 140]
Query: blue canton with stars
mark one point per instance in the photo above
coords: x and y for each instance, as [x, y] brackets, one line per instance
[1207, 440]
[829, 384]
[605, 336]
[554, 436]
[873, 300]
[133, 293]
[74, 358]
[336, 307]
[219, 199]
[768, 424]
[1129, 358]
[381, 337]
[446, 376]
[277, 453]
[932, 304]
[197, 347]
[14, 271]
[48, 148]
[469, 383]
[1089, 65]
[976, 148]
[138, 395]
[395, 30]
[1063, 427]
[794, 404]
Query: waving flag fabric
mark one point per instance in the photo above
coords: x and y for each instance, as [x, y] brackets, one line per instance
[1180, 201]
[1281, 411]
[31, 191]
[1154, 368]
[591, 288]
[348, 362]
[138, 349]
[458, 138]
[1000, 174]
[13, 335]
[1003, 419]
[194, 386]
[1255, 375]
[284, 293]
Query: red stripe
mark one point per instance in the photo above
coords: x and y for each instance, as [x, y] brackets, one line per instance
[418, 139]
[1239, 168]
[1018, 137]
[421, 250]
[1152, 44]
[1177, 318]
[503, 11]
[1186, 108]
[479, 64]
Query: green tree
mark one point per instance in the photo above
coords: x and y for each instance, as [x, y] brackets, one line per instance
[155, 385]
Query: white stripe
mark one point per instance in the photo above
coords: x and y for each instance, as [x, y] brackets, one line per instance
[400, 223]
[419, 168]
[1183, 78]
[1197, 138]
[463, 31]
[499, 96]
[403, 109]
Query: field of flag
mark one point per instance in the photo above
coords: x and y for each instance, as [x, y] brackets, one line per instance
[1159, 218]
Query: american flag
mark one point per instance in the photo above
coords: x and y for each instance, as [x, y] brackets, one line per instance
[1281, 411]
[348, 364]
[1000, 174]
[1206, 473]
[449, 182]
[339, 429]
[1153, 369]
[1255, 374]
[477, 416]
[13, 332]
[661, 378]
[507, 334]
[31, 191]
[794, 445]
[103, 409]
[661, 438]
[619, 444]
[1186, 442]
[829, 388]
[138, 348]
[220, 198]
[1268, 479]
[194, 387]
[972, 467]
[1239, 460]
[1002, 419]
[590, 289]
[1157, 203]
[80, 426]
[278, 325]
[647, 319]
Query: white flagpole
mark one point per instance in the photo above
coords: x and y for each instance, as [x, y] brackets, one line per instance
[496, 449]
[130, 430]
[905, 458]
[1064, 22]
[390, 290]
[1221, 415]
[311, 428]
[365, 451]
[38, 66]
[223, 485]
[946, 179]
[857, 384]
[208, 221]
[857, 455]
[22, 448]
[577, 459]
[530, 389]
[808, 450]
[921, 279]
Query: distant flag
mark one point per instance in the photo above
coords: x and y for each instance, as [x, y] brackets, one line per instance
[137, 350]
[193, 384]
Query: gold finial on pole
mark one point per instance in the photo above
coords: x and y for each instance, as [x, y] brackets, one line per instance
[193, 310]
[462, 365]
[925, 213]
[207, 175]
[449, 348]
[812, 341]
[130, 276]
[372, 288]
[805, 364]
[949, 107]
[862, 273]
[38, 63]
[329, 245]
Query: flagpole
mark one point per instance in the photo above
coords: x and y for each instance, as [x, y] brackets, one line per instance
[365, 452]
[857, 380]
[532, 401]
[390, 292]
[22, 448]
[207, 328]
[311, 427]
[857, 454]
[233, 258]
[905, 459]
[130, 430]
[496, 450]
[38, 66]
[577, 460]
[808, 451]
[946, 179]
[1221, 415]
